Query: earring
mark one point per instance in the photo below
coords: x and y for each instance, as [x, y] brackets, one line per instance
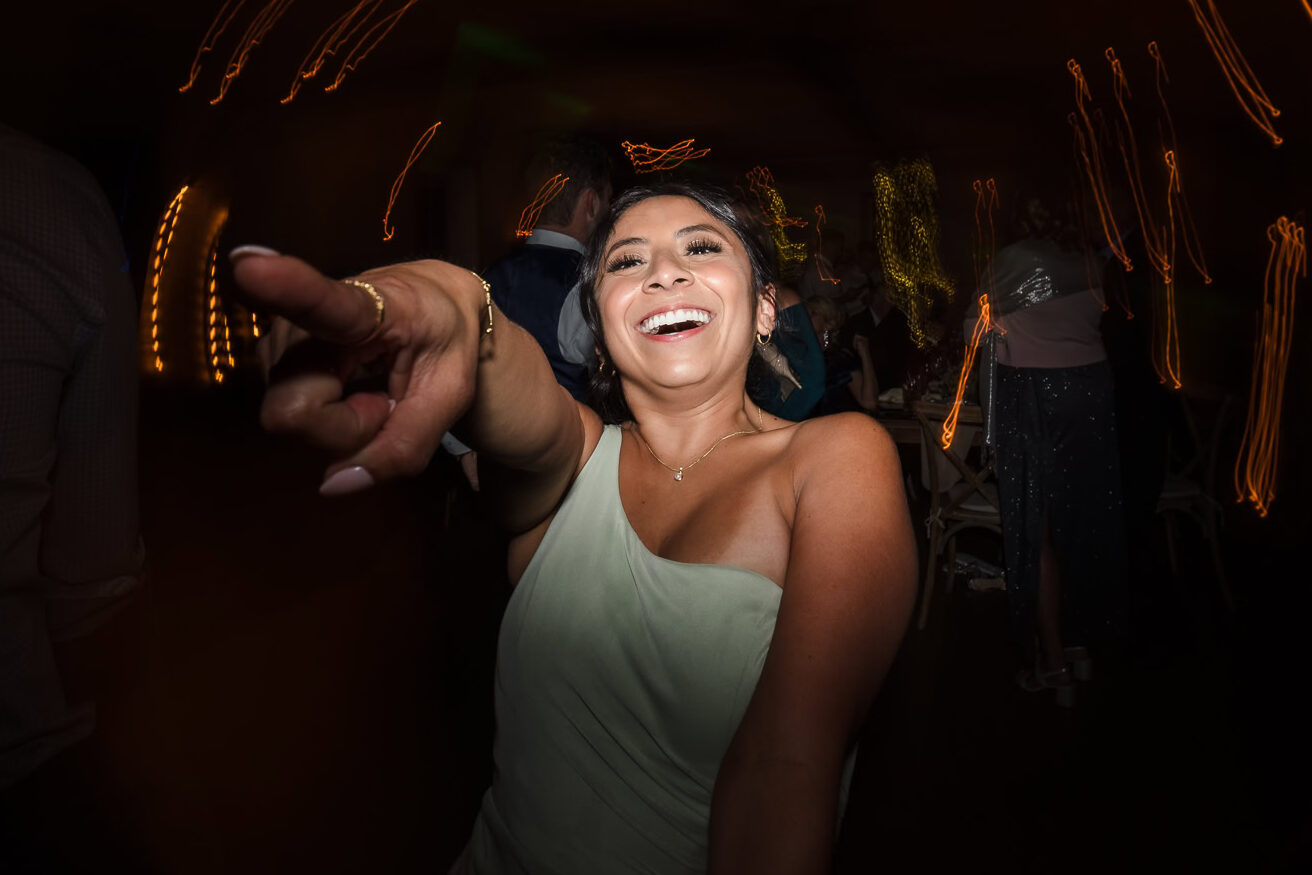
[601, 364]
[764, 339]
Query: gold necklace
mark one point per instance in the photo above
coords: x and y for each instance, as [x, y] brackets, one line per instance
[678, 472]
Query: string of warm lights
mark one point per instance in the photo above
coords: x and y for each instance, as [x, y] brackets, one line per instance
[418, 150]
[1243, 82]
[255, 32]
[760, 181]
[648, 159]
[367, 43]
[1129, 148]
[986, 199]
[908, 236]
[329, 42]
[1090, 159]
[820, 220]
[1177, 202]
[220, 23]
[528, 217]
[159, 256]
[216, 318]
[1256, 465]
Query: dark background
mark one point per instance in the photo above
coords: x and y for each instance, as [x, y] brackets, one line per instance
[816, 91]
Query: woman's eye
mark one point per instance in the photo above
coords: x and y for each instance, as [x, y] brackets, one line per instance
[623, 262]
[703, 247]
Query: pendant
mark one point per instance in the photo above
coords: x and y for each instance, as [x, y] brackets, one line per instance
[678, 475]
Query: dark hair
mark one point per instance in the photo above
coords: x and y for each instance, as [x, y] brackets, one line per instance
[606, 395]
[584, 160]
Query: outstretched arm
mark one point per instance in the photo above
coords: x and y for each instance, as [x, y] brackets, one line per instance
[848, 593]
[443, 370]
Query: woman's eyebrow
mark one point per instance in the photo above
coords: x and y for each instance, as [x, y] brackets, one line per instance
[695, 229]
[625, 242]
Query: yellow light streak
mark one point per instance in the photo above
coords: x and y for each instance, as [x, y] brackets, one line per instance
[1243, 82]
[255, 32]
[649, 159]
[216, 29]
[761, 183]
[1259, 450]
[908, 237]
[160, 250]
[396, 186]
[220, 348]
[528, 217]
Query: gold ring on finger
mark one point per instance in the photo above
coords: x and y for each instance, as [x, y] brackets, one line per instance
[380, 308]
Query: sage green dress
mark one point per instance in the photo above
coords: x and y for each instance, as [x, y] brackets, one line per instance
[621, 679]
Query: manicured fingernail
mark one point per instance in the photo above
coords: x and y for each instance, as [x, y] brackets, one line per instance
[346, 481]
[242, 251]
[391, 405]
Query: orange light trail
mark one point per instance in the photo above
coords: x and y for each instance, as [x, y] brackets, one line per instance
[1248, 91]
[908, 237]
[217, 27]
[217, 335]
[160, 254]
[329, 42]
[1255, 468]
[649, 159]
[255, 31]
[1086, 143]
[1178, 203]
[760, 181]
[1129, 148]
[820, 220]
[528, 217]
[986, 197]
[1167, 362]
[396, 186]
[367, 43]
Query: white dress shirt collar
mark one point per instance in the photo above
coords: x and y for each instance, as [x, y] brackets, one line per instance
[543, 237]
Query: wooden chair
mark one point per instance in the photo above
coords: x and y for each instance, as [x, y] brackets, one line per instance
[1189, 488]
[960, 496]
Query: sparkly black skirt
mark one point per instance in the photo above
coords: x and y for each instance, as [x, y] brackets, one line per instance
[1058, 471]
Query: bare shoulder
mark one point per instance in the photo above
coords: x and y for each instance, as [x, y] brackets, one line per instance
[843, 445]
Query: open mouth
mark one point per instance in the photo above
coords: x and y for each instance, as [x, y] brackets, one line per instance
[674, 321]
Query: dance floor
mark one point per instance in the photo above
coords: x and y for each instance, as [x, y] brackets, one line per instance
[307, 687]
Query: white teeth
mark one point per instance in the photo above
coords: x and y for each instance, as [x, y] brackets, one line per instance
[652, 324]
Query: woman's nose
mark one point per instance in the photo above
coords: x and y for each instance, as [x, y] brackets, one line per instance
[666, 271]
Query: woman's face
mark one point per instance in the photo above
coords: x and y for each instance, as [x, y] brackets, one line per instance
[675, 296]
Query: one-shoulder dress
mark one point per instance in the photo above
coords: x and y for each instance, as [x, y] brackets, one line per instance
[621, 679]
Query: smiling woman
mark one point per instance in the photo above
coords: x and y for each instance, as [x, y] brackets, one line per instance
[686, 660]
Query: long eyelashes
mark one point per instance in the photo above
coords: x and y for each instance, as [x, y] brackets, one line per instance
[694, 247]
[703, 247]
[623, 262]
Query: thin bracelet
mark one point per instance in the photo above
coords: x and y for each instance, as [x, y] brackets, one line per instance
[487, 301]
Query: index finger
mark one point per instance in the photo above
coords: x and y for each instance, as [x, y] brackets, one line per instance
[329, 309]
